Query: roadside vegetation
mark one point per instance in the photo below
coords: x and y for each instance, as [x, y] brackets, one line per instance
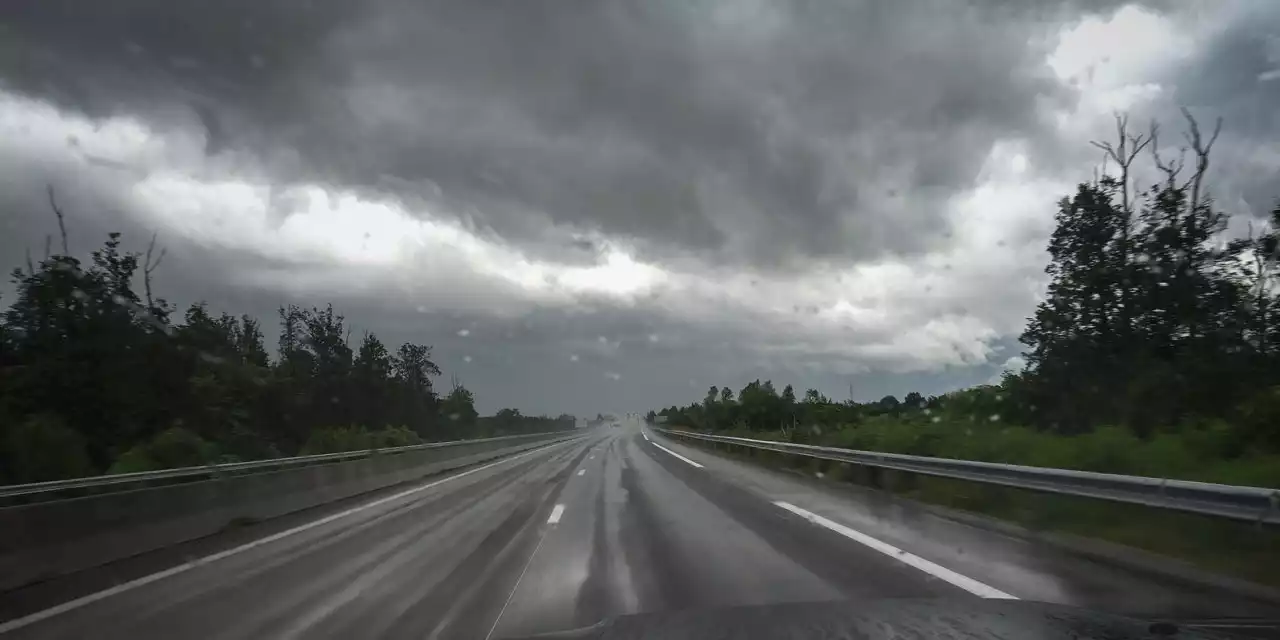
[99, 374]
[1155, 351]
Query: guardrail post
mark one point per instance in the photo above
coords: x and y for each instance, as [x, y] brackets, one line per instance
[875, 477]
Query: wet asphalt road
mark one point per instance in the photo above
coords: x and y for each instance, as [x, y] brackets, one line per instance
[561, 537]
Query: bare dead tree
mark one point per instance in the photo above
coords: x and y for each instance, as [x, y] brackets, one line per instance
[1262, 277]
[1126, 148]
[148, 267]
[1170, 168]
[1201, 149]
[62, 223]
[1123, 152]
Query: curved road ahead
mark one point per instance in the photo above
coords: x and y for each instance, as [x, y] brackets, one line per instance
[618, 521]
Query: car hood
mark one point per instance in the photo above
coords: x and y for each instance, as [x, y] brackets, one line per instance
[971, 619]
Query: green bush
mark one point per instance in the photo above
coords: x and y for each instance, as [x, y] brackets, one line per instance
[172, 448]
[42, 448]
[357, 438]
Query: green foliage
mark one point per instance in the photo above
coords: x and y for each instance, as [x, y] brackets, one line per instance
[171, 448]
[355, 438]
[41, 448]
[510, 422]
[96, 377]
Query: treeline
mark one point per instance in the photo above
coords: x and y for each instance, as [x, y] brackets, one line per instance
[1156, 348]
[97, 376]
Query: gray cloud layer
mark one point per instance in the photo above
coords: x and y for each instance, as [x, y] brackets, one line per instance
[771, 136]
[767, 132]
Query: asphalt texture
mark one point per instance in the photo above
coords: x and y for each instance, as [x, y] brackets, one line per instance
[619, 521]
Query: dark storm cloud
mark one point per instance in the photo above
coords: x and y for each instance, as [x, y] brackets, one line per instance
[1236, 75]
[771, 132]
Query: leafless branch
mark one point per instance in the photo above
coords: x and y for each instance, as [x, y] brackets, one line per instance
[148, 266]
[1126, 148]
[1171, 169]
[62, 223]
[1201, 149]
[48, 243]
[31, 268]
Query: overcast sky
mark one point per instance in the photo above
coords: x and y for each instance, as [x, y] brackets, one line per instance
[595, 205]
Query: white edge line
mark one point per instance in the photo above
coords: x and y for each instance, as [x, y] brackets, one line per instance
[70, 605]
[910, 559]
[581, 471]
[646, 436]
[556, 512]
[676, 454]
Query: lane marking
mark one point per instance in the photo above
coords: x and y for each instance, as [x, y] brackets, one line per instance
[70, 605]
[676, 454]
[646, 436]
[555, 514]
[581, 471]
[910, 559]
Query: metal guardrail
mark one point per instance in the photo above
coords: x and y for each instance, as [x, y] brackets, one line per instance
[1251, 504]
[232, 468]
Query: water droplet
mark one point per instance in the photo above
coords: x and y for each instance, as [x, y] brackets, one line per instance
[454, 416]
[573, 357]
[118, 299]
[464, 332]
[937, 419]
[422, 309]
[995, 417]
[466, 358]
[613, 376]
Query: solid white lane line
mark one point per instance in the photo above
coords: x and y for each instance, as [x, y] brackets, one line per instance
[581, 471]
[555, 514]
[935, 570]
[18, 623]
[676, 455]
[646, 436]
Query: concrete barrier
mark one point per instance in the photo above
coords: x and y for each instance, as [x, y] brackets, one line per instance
[49, 539]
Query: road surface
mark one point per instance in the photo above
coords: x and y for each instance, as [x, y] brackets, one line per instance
[618, 521]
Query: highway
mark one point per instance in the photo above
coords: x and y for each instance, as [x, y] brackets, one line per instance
[618, 521]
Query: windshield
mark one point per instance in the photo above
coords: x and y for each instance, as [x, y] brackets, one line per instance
[484, 319]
